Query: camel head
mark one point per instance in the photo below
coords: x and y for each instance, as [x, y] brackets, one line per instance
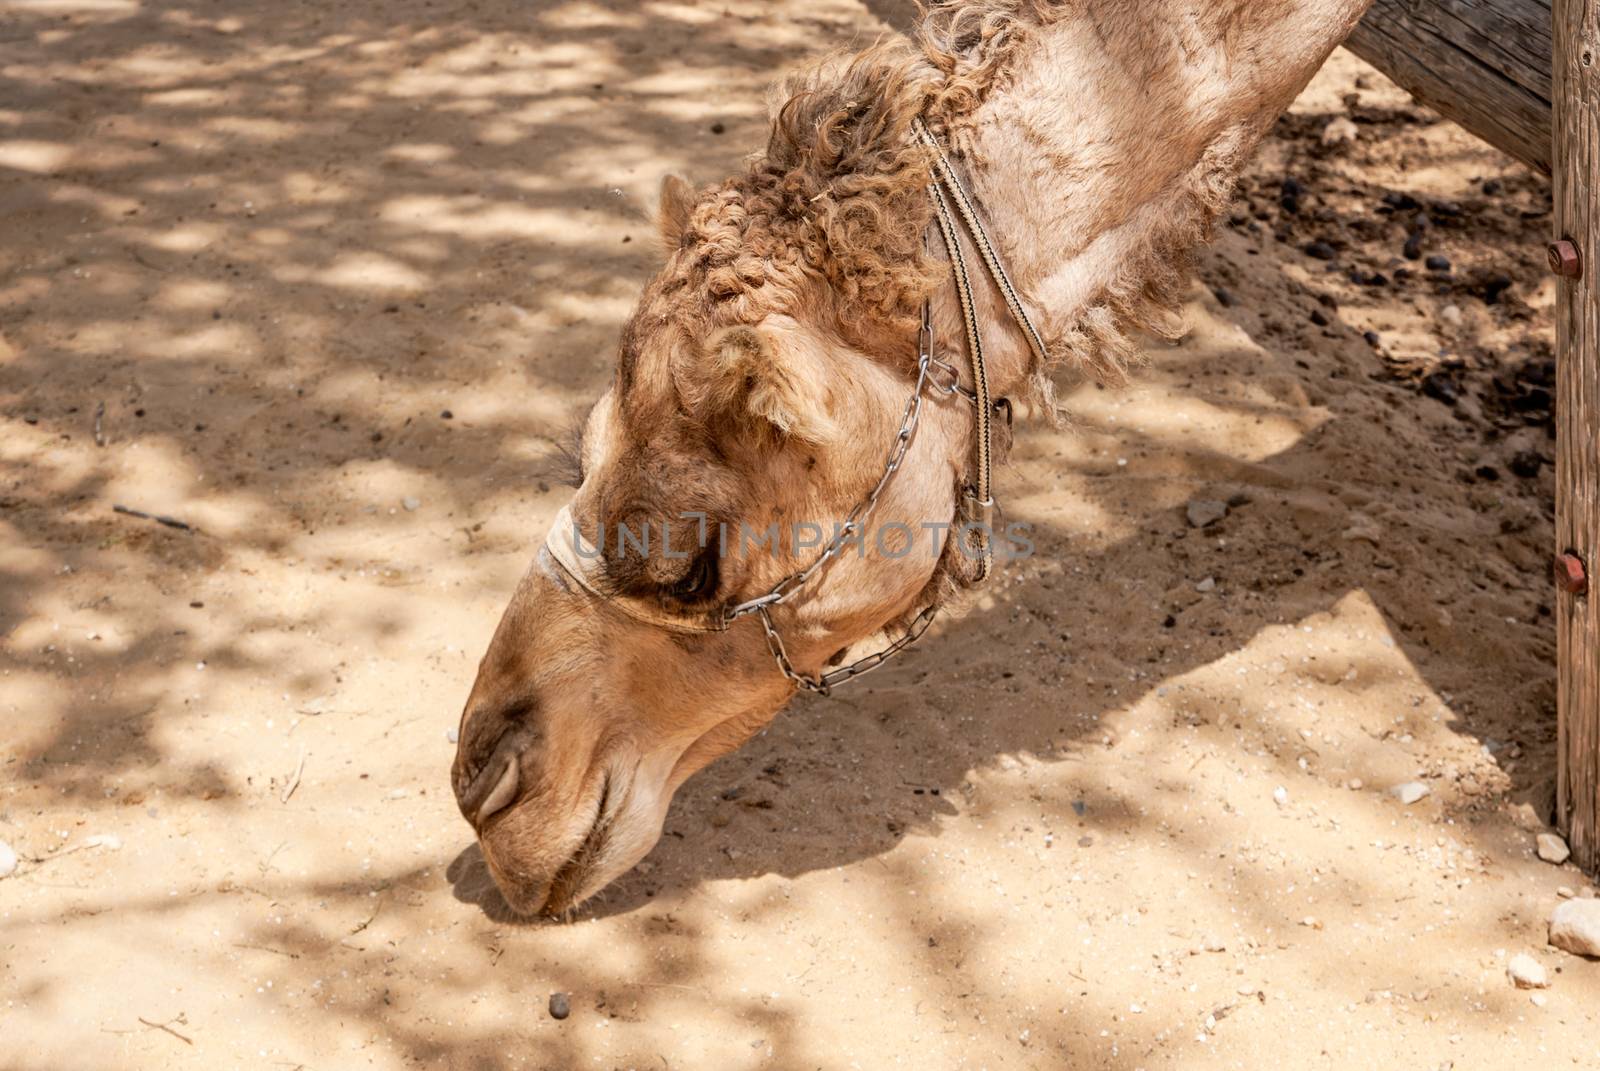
[761, 380]
[759, 387]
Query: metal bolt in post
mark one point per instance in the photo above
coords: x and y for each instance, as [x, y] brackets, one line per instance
[1565, 260]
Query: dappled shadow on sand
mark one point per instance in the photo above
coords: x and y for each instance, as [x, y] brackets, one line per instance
[296, 267]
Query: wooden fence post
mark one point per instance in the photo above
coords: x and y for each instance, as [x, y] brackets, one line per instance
[1575, 257]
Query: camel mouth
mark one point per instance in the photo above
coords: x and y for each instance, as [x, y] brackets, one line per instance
[566, 888]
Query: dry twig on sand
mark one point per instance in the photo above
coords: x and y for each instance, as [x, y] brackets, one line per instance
[168, 1029]
[170, 522]
[294, 781]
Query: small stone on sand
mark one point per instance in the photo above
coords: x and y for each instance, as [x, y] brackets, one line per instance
[1552, 849]
[8, 860]
[1409, 792]
[1526, 972]
[1204, 511]
[560, 1006]
[1208, 584]
[1339, 131]
[1575, 927]
[411, 504]
[1280, 796]
[452, 735]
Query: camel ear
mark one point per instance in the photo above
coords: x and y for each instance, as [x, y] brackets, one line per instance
[751, 372]
[677, 197]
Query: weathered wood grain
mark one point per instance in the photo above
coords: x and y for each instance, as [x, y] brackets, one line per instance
[1483, 63]
[1577, 217]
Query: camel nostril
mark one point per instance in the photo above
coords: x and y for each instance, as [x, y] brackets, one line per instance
[491, 783]
[501, 796]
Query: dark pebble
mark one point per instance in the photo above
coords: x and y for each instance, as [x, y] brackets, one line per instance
[1441, 388]
[560, 1006]
[1291, 205]
[732, 793]
[1223, 296]
[1401, 201]
[717, 128]
[445, 414]
[1169, 622]
[198, 605]
[1413, 247]
[1402, 274]
[1527, 463]
[1377, 278]
[1320, 250]
[1437, 262]
[1372, 338]
[1486, 472]
[1491, 187]
[1318, 318]
[1491, 287]
[1085, 841]
[1291, 187]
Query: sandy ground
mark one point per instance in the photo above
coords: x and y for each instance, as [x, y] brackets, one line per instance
[329, 278]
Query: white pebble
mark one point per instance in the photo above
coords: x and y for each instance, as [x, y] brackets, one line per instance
[452, 735]
[1575, 927]
[1339, 131]
[411, 504]
[1552, 849]
[8, 860]
[1280, 796]
[1526, 972]
[1208, 584]
[1409, 792]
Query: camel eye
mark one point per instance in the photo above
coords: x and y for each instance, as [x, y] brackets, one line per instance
[701, 581]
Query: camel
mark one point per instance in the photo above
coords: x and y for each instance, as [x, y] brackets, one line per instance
[805, 326]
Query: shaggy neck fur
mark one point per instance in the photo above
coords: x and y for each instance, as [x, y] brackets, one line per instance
[1100, 137]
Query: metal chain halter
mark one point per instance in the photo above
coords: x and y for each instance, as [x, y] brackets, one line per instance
[945, 188]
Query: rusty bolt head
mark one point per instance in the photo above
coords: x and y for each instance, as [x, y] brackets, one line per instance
[1564, 259]
[1571, 577]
